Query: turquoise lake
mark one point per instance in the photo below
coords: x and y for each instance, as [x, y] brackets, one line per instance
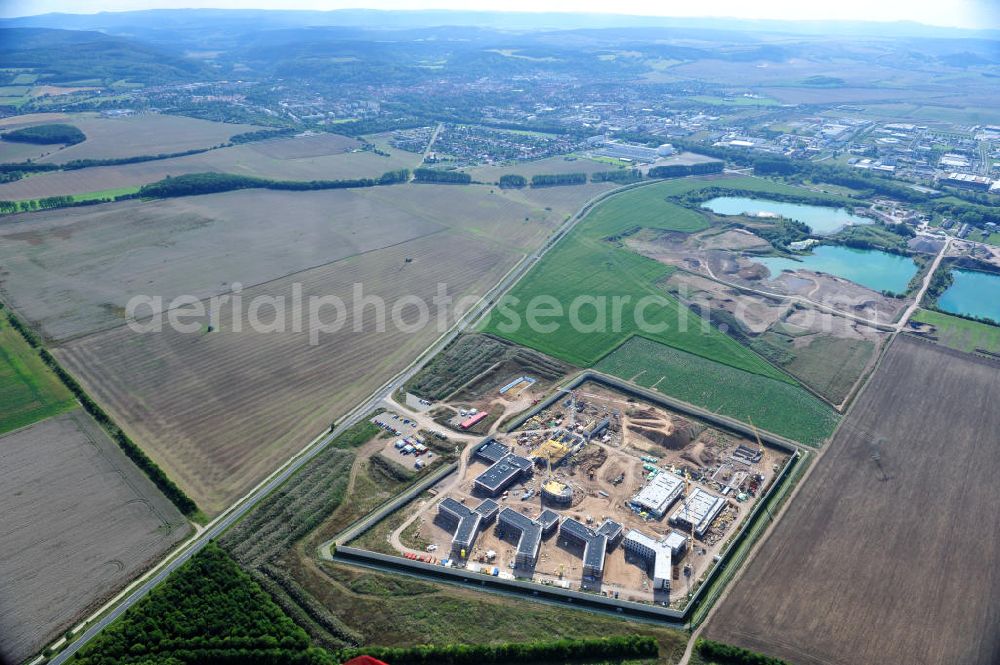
[972, 293]
[821, 219]
[876, 270]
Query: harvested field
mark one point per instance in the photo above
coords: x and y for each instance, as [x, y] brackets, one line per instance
[496, 215]
[29, 391]
[218, 411]
[298, 147]
[145, 134]
[71, 272]
[22, 152]
[79, 521]
[32, 119]
[324, 159]
[889, 559]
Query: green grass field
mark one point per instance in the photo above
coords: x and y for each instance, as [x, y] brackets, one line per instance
[585, 263]
[29, 392]
[591, 262]
[961, 334]
[773, 405]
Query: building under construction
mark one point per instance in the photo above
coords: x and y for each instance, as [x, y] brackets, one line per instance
[557, 493]
[658, 495]
[466, 522]
[528, 533]
[659, 553]
[697, 511]
[596, 543]
[503, 474]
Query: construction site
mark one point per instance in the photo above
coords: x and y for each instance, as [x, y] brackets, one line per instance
[598, 491]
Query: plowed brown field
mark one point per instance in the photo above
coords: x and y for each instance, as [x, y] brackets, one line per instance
[889, 552]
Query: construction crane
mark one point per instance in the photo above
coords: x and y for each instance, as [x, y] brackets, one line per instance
[760, 445]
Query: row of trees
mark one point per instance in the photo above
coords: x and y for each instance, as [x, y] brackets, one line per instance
[30, 205]
[725, 654]
[558, 179]
[512, 181]
[681, 170]
[192, 184]
[617, 649]
[183, 502]
[440, 176]
[620, 176]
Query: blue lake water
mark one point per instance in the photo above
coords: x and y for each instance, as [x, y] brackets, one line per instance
[972, 293]
[876, 270]
[822, 220]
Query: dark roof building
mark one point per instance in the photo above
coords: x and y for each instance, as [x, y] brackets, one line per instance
[503, 473]
[492, 450]
[529, 534]
[549, 519]
[465, 522]
[596, 543]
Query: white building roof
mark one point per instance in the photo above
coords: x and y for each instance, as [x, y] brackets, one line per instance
[698, 509]
[661, 491]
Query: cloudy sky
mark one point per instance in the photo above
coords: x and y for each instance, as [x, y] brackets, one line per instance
[955, 13]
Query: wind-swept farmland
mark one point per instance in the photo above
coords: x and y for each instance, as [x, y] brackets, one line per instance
[888, 554]
[79, 521]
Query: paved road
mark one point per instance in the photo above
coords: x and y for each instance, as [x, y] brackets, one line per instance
[247, 503]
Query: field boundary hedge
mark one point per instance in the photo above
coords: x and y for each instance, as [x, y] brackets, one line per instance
[184, 503]
[619, 648]
[725, 654]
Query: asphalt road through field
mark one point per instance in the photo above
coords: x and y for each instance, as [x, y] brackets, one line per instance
[247, 503]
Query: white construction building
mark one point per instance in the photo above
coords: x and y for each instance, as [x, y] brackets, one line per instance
[697, 511]
[658, 495]
[650, 550]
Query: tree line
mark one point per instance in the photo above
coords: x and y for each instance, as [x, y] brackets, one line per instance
[441, 176]
[617, 649]
[177, 496]
[681, 170]
[558, 179]
[192, 184]
[620, 176]
[724, 654]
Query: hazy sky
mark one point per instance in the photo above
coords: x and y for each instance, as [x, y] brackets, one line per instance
[956, 13]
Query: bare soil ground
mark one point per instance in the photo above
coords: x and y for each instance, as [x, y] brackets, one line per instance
[220, 410]
[72, 272]
[79, 521]
[888, 554]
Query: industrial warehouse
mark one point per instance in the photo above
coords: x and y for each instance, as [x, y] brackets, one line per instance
[598, 492]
